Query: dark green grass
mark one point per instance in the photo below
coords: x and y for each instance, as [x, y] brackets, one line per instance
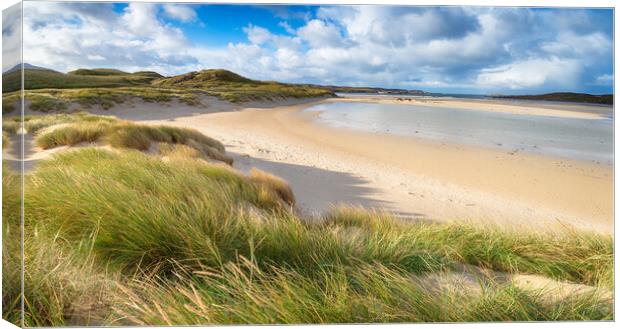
[39, 79]
[607, 99]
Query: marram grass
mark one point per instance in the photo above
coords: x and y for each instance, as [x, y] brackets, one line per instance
[128, 236]
[56, 130]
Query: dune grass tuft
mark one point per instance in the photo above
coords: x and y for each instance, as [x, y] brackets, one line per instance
[54, 130]
[71, 134]
[9, 102]
[34, 123]
[272, 183]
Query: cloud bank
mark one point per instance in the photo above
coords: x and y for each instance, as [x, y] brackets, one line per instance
[468, 49]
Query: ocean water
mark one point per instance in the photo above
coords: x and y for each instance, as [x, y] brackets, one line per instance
[583, 139]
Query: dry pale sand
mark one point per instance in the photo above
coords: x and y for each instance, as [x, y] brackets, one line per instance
[411, 177]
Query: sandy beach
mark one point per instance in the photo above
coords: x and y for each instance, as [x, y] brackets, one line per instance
[411, 177]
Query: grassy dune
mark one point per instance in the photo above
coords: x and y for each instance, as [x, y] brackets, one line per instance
[607, 99]
[55, 100]
[72, 129]
[51, 91]
[124, 236]
[43, 78]
[235, 88]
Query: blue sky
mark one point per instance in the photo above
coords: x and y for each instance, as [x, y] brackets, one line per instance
[439, 49]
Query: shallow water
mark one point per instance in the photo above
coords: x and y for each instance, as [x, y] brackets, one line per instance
[582, 139]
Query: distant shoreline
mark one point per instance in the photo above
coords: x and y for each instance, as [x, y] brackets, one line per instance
[605, 100]
[541, 108]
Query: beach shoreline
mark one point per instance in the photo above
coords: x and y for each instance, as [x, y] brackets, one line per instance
[409, 177]
[536, 108]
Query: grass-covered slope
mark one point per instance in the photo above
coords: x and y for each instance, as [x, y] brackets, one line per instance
[114, 72]
[235, 88]
[607, 99]
[51, 91]
[42, 78]
[124, 235]
[72, 129]
[58, 100]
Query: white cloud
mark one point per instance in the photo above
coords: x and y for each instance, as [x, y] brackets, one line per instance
[257, 35]
[413, 47]
[11, 37]
[140, 19]
[321, 34]
[183, 13]
[571, 44]
[66, 36]
[531, 73]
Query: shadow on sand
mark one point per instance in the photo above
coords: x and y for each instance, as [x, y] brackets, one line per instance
[317, 190]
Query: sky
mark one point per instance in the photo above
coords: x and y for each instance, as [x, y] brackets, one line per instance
[479, 50]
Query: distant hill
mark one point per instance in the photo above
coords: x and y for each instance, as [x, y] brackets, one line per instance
[38, 78]
[26, 67]
[114, 72]
[148, 85]
[217, 80]
[236, 88]
[371, 90]
[204, 78]
[607, 99]
[101, 72]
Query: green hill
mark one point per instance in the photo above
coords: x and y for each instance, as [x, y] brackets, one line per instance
[102, 72]
[45, 78]
[607, 99]
[204, 78]
[235, 88]
[49, 90]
